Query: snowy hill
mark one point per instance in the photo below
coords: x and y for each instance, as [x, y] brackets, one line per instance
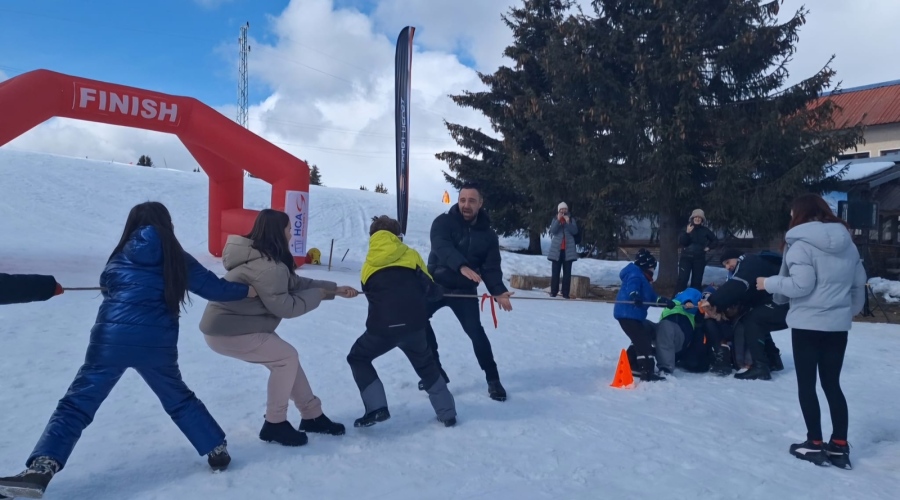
[564, 433]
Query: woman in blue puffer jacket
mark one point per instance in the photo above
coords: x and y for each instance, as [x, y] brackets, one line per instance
[145, 284]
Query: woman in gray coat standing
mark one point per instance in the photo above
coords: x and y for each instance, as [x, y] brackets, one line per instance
[823, 278]
[562, 250]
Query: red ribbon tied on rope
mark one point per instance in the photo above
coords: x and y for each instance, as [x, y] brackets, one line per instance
[493, 310]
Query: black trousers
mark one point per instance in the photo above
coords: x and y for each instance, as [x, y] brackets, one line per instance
[758, 326]
[370, 346]
[641, 334]
[822, 352]
[469, 316]
[566, 267]
[691, 267]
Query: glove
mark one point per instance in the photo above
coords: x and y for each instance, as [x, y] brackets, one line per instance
[636, 297]
[668, 303]
[59, 290]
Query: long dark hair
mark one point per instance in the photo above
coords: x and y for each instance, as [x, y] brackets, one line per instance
[175, 272]
[268, 237]
[812, 207]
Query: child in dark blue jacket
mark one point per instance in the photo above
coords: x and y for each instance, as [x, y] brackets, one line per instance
[145, 283]
[632, 302]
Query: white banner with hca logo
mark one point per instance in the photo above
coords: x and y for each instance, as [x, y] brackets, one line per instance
[296, 205]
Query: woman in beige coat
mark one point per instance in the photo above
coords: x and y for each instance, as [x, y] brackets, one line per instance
[245, 329]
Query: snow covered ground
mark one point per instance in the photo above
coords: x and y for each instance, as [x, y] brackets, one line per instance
[564, 433]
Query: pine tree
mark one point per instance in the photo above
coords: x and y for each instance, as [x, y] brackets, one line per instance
[513, 170]
[379, 188]
[363, 188]
[709, 121]
[145, 161]
[315, 177]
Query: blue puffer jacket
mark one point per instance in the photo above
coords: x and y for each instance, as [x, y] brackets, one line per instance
[633, 280]
[134, 327]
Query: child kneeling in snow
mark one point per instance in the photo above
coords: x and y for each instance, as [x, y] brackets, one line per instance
[675, 330]
[632, 302]
[398, 287]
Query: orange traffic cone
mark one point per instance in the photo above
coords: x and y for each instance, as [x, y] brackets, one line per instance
[623, 379]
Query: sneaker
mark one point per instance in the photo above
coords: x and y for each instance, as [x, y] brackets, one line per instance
[322, 425]
[839, 455]
[282, 433]
[811, 452]
[372, 418]
[32, 482]
[496, 390]
[218, 459]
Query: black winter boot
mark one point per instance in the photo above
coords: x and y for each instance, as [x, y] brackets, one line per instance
[496, 390]
[282, 433]
[648, 369]
[32, 482]
[450, 422]
[811, 452]
[759, 371]
[774, 355]
[372, 418]
[218, 459]
[721, 364]
[322, 425]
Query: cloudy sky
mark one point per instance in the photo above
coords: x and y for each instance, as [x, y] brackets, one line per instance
[322, 71]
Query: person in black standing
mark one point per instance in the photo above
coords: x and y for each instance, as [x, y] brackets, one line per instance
[465, 251]
[695, 242]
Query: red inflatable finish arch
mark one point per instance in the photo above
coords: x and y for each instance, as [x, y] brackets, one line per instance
[223, 148]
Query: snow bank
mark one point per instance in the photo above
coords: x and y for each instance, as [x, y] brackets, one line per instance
[888, 289]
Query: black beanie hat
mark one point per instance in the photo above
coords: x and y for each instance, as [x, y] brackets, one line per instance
[645, 260]
[731, 253]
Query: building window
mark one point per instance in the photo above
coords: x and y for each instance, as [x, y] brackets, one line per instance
[889, 152]
[886, 230]
[853, 156]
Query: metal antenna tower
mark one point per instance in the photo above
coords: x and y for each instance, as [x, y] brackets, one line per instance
[243, 77]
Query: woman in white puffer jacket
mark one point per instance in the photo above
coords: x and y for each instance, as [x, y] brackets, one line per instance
[823, 278]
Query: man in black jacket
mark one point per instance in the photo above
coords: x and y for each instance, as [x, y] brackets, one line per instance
[22, 288]
[695, 242]
[761, 317]
[398, 288]
[465, 251]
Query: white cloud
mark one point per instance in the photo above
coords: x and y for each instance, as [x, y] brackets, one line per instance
[332, 78]
[3, 76]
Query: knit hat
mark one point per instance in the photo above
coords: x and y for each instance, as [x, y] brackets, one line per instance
[645, 260]
[698, 213]
[707, 292]
[731, 253]
[561, 206]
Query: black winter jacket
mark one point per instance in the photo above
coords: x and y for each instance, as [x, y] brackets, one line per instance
[697, 241]
[398, 298]
[740, 289]
[456, 243]
[21, 288]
